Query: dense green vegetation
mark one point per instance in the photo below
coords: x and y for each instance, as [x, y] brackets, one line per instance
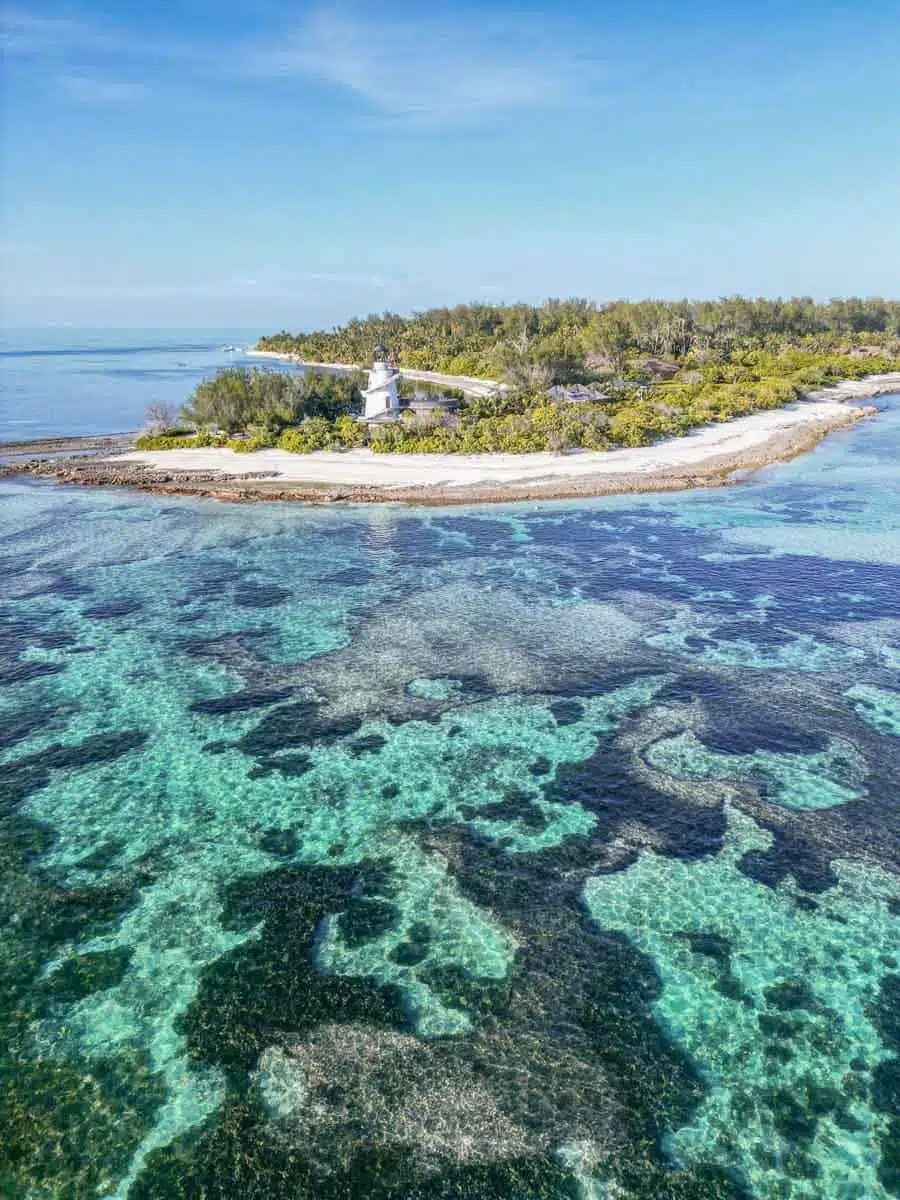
[241, 399]
[563, 335]
[630, 414]
[722, 359]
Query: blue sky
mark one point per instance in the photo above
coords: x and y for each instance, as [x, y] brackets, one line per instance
[289, 165]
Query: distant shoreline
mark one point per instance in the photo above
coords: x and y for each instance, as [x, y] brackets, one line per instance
[712, 456]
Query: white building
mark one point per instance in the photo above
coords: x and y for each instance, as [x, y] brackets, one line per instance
[381, 395]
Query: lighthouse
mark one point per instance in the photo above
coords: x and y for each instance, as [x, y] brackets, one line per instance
[381, 395]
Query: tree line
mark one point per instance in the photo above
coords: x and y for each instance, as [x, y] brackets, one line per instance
[238, 399]
[562, 340]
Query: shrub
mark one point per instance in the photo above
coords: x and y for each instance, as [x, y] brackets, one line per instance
[150, 441]
[314, 434]
[350, 432]
[250, 444]
[237, 398]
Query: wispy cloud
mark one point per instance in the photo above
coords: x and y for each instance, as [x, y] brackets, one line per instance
[422, 69]
[426, 68]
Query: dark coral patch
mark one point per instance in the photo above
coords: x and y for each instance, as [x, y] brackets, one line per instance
[475, 686]
[567, 712]
[791, 1117]
[780, 1027]
[711, 945]
[884, 1012]
[416, 947]
[71, 1128]
[280, 843]
[718, 949]
[889, 1167]
[52, 639]
[299, 724]
[227, 647]
[291, 766]
[24, 670]
[366, 920]
[886, 1087]
[23, 776]
[367, 745]
[517, 806]
[286, 727]
[794, 854]
[20, 727]
[238, 702]
[605, 786]
[110, 609]
[259, 595]
[191, 617]
[102, 857]
[66, 587]
[267, 988]
[351, 577]
[83, 974]
[738, 723]
[792, 994]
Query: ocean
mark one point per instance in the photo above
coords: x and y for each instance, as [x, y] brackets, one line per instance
[541, 850]
[93, 381]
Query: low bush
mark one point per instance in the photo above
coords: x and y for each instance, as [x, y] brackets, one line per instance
[350, 432]
[163, 441]
[250, 444]
[315, 434]
[237, 398]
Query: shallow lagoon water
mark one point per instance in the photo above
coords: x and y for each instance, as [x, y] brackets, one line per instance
[506, 852]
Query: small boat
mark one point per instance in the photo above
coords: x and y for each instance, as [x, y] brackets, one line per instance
[232, 349]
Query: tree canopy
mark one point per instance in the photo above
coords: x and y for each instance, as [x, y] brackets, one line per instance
[655, 369]
[561, 336]
[238, 399]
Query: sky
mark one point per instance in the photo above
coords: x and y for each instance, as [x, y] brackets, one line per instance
[290, 165]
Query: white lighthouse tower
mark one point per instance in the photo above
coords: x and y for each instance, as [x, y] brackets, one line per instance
[381, 395]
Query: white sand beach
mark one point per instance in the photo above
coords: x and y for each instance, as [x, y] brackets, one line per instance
[364, 468]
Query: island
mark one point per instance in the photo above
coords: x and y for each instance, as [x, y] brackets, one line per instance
[511, 402]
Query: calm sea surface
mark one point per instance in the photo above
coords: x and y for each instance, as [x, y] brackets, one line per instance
[67, 381]
[499, 853]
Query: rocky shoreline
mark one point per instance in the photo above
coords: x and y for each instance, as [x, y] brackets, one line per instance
[106, 443]
[718, 470]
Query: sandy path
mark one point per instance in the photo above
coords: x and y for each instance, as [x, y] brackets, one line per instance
[465, 383]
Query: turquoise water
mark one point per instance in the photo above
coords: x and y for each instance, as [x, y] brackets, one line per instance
[493, 853]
